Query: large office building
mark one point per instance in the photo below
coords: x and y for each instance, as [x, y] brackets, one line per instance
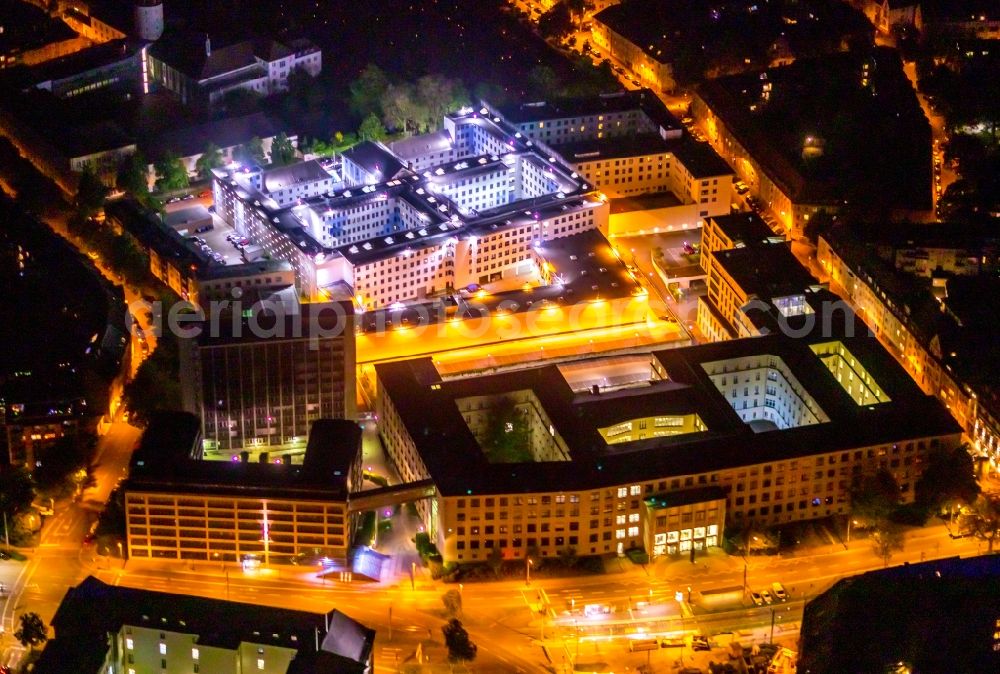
[182, 507]
[658, 451]
[108, 629]
[470, 205]
[260, 382]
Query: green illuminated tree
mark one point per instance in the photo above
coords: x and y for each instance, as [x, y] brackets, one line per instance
[132, 176]
[886, 539]
[372, 128]
[210, 158]
[282, 151]
[368, 91]
[986, 522]
[452, 600]
[171, 173]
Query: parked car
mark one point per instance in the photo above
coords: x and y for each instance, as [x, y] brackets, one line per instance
[779, 591]
[768, 599]
[757, 599]
[700, 643]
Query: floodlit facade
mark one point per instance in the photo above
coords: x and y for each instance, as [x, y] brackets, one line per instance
[471, 204]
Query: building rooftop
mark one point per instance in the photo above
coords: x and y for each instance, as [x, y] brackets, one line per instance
[72, 65]
[163, 462]
[24, 27]
[192, 140]
[765, 271]
[423, 144]
[743, 228]
[876, 151]
[220, 272]
[376, 159]
[287, 176]
[93, 609]
[644, 100]
[937, 616]
[426, 404]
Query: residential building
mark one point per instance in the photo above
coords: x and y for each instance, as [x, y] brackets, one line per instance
[189, 67]
[664, 453]
[261, 382]
[110, 629]
[961, 19]
[273, 511]
[643, 36]
[789, 158]
[940, 329]
[29, 36]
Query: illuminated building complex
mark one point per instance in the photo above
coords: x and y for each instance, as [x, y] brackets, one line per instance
[656, 451]
[473, 203]
[106, 629]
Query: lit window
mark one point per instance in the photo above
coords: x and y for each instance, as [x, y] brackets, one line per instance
[633, 531]
[635, 490]
[634, 517]
[620, 533]
[260, 663]
[128, 643]
[163, 648]
[194, 653]
[622, 492]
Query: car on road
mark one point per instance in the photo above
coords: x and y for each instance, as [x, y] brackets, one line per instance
[768, 599]
[4, 555]
[700, 643]
[205, 194]
[188, 197]
[757, 599]
[779, 591]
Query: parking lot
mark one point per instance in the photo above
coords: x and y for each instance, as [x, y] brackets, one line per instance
[215, 242]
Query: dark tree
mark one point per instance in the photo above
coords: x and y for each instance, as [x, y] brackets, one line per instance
[948, 479]
[986, 522]
[32, 631]
[156, 385]
[90, 194]
[874, 497]
[886, 539]
[132, 176]
[452, 600]
[16, 492]
[368, 91]
[556, 23]
[63, 465]
[456, 638]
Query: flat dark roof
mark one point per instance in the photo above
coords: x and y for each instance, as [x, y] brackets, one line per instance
[746, 228]
[622, 101]
[426, 405]
[766, 271]
[93, 609]
[332, 446]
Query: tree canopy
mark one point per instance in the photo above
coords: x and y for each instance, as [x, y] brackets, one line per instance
[556, 22]
[132, 176]
[508, 437]
[32, 631]
[874, 497]
[16, 493]
[251, 152]
[460, 646]
[282, 151]
[211, 157]
[372, 128]
[368, 90]
[171, 173]
[948, 478]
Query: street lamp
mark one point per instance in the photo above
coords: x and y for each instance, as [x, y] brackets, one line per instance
[850, 521]
[528, 563]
